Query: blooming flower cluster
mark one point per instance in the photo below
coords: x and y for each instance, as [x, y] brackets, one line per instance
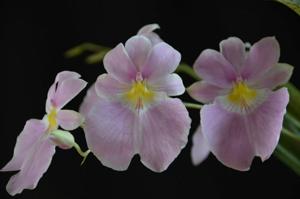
[130, 110]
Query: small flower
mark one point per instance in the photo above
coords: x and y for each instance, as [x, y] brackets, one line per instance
[128, 111]
[36, 144]
[244, 117]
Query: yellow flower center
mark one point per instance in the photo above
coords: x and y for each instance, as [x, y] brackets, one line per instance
[52, 119]
[242, 95]
[139, 95]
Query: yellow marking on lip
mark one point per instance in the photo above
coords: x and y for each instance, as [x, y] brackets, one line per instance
[139, 95]
[52, 119]
[242, 95]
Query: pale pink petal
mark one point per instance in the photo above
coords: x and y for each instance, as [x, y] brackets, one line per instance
[147, 31]
[89, 100]
[35, 165]
[64, 75]
[109, 129]
[50, 96]
[108, 87]
[233, 49]
[118, 64]
[226, 134]
[235, 139]
[138, 48]
[205, 92]
[213, 68]
[28, 137]
[200, 149]
[69, 119]
[164, 132]
[66, 91]
[171, 84]
[153, 37]
[276, 76]
[265, 123]
[162, 60]
[262, 56]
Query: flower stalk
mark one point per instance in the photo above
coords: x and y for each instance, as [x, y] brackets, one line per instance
[83, 154]
[192, 105]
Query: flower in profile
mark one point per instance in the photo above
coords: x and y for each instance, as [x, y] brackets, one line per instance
[36, 143]
[128, 111]
[244, 116]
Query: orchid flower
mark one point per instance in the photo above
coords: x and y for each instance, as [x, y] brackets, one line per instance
[128, 111]
[243, 117]
[36, 144]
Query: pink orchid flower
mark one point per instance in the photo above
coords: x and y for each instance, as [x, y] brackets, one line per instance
[244, 116]
[36, 144]
[128, 111]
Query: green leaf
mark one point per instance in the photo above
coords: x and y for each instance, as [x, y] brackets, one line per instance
[288, 150]
[294, 103]
[292, 4]
[292, 123]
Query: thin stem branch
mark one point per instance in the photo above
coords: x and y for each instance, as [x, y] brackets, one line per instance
[192, 105]
[287, 156]
[77, 50]
[83, 154]
[91, 47]
[184, 68]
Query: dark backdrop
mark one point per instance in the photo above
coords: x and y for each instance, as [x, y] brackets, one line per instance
[34, 37]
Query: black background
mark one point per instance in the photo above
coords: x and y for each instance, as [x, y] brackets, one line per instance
[34, 36]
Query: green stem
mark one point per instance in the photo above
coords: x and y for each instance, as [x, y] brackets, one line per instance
[77, 50]
[97, 57]
[91, 47]
[192, 105]
[83, 154]
[184, 68]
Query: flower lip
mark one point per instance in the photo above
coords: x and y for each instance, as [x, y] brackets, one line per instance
[242, 98]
